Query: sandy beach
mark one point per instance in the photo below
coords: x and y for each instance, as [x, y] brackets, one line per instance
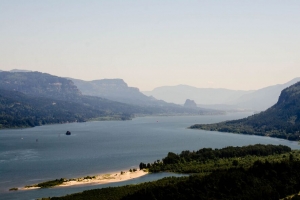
[98, 179]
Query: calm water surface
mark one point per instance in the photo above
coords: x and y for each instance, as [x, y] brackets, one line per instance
[33, 155]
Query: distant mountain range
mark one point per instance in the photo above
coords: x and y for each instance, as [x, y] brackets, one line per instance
[282, 120]
[118, 90]
[222, 99]
[178, 94]
[24, 108]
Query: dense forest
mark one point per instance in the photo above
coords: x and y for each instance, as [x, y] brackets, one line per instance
[207, 160]
[281, 120]
[20, 110]
[272, 172]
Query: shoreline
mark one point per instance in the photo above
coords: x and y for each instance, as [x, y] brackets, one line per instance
[95, 180]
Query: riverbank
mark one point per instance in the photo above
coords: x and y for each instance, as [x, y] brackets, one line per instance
[92, 180]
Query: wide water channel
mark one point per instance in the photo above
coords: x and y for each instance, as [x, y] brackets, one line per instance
[34, 155]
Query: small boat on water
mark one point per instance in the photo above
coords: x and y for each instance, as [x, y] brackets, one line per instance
[68, 133]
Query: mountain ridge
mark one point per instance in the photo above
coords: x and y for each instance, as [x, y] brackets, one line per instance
[235, 100]
[282, 120]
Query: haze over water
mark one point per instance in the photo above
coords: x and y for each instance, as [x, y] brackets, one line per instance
[33, 155]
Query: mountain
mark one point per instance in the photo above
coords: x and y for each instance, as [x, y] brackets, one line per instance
[39, 84]
[178, 94]
[281, 120]
[263, 98]
[116, 90]
[20, 110]
[36, 84]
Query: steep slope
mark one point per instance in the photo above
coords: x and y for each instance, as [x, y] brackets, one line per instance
[178, 94]
[263, 98]
[281, 120]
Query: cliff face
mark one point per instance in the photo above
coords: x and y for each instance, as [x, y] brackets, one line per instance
[39, 84]
[117, 88]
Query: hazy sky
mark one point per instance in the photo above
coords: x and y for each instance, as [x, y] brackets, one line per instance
[226, 44]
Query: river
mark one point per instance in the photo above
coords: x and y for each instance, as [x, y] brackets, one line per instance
[38, 154]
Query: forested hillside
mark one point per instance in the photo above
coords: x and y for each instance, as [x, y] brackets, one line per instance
[20, 110]
[281, 120]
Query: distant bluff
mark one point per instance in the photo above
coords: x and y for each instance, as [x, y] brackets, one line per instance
[190, 103]
[116, 90]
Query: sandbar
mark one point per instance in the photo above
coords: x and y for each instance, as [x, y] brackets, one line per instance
[98, 179]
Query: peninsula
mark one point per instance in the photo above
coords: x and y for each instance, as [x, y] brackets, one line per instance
[92, 180]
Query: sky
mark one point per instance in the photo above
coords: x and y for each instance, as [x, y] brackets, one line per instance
[234, 44]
